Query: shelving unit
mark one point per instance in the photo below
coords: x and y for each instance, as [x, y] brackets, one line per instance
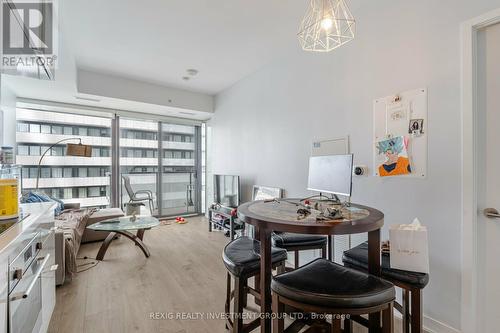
[231, 227]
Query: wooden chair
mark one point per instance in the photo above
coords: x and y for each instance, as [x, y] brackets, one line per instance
[242, 260]
[300, 242]
[412, 284]
[324, 287]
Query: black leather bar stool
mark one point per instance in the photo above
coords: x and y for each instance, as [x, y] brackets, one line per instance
[242, 260]
[299, 242]
[411, 283]
[325, 287]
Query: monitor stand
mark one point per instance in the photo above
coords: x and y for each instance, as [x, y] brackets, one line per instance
[323, 198]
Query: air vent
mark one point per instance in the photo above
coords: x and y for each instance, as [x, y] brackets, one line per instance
[88, 99]
[188, 113]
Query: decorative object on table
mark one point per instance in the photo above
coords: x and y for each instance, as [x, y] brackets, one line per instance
[326, 25]
[132, 208]
[393, 157]
[79, 149]
[402, 115]
[133, 218]
[260, 192]
[409, 247]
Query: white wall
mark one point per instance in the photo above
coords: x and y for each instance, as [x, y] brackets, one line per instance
[8, 107]
[264, 125]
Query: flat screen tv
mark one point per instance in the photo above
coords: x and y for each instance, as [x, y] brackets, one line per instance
[331, 174]
[227, 190]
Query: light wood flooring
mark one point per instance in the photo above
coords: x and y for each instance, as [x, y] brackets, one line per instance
[184, 274]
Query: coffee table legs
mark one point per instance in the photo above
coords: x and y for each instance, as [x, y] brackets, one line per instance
[136, 239]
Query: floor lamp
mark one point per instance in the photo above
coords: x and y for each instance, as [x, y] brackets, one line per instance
[71, 150]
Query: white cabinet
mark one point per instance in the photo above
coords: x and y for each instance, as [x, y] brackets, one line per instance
[48, 280]
[3, 293]
[14, 241]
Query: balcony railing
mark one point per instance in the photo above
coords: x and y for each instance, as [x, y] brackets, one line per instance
[178, 192]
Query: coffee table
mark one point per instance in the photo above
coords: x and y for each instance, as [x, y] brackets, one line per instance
[124, 226]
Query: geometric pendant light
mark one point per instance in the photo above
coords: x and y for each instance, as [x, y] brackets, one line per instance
[327, 25]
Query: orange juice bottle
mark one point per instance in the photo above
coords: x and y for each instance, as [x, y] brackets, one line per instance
[9, 198]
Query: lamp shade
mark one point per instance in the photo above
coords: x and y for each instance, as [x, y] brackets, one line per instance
[327, 25]
[78, 150]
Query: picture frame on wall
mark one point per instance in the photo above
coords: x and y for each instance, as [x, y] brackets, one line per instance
[266, 192]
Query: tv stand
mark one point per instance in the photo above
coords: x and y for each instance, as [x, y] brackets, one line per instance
[226, 212]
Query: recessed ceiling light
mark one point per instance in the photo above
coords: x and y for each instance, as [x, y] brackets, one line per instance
[88, 99]
[192, 71]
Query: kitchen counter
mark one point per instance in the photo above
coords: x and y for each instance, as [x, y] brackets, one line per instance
[14, 239]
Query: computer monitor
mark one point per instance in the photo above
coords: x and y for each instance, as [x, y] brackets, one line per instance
[331, 174]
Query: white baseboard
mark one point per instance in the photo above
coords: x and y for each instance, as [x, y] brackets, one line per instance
[430, 325]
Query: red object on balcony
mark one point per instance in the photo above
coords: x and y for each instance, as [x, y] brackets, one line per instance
[234, 212]
[307, 202]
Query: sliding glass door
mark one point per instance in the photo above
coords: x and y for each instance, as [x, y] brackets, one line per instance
[180, 188]
[162, 161]
[131, 158]
[139, 163]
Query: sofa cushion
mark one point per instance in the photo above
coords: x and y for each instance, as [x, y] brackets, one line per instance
[104, 214]
[98, 216]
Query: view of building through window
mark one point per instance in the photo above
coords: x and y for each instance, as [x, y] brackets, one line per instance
[150, 153]
[72, 179]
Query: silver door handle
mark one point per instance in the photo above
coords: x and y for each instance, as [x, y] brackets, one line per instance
[37, 275]
[491, 213]
[39, 271]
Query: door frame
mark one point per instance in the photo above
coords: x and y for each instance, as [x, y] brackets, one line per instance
[469, 31]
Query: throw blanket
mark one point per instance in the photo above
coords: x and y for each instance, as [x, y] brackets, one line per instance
[73, 223]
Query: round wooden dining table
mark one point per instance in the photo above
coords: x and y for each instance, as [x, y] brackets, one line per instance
[268, 216]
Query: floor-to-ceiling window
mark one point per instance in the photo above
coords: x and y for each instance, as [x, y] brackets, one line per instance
[72, 179]
[139, 160]
[179, 166]
[153, 156]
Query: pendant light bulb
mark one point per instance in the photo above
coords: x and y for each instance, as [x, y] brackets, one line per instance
[326, 23]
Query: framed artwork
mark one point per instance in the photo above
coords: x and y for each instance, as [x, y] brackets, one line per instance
[266, 193]
[392, 157]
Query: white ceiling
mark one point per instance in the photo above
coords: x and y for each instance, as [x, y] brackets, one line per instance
[155, 41]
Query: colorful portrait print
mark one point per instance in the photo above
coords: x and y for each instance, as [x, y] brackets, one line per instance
[393, 154]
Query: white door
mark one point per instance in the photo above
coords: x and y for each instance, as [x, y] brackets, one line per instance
[488, 150]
